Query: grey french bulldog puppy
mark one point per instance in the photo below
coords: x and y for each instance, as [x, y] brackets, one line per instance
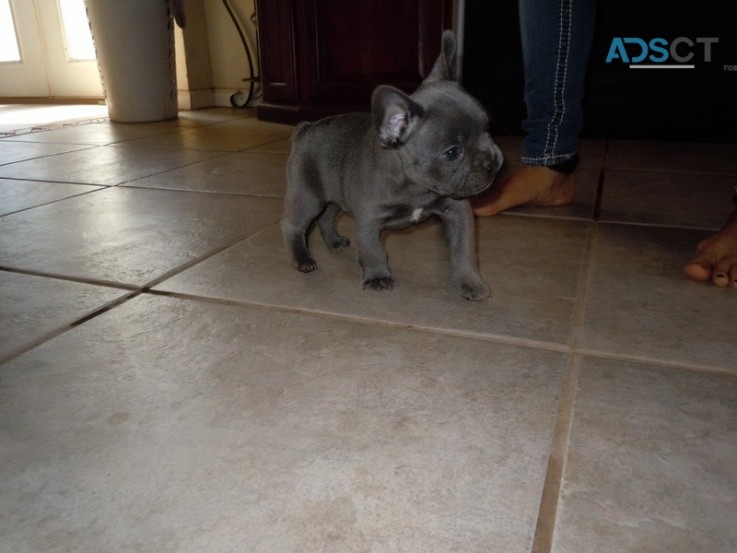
[412, 157]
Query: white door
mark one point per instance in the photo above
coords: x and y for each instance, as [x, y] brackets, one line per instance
[46, 50]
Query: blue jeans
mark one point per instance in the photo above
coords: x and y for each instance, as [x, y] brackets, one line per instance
[556, 39]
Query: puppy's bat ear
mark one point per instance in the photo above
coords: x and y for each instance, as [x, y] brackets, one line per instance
[395, 115]
[444, 68]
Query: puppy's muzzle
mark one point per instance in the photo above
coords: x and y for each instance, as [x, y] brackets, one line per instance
[493, 161]
[486, 165]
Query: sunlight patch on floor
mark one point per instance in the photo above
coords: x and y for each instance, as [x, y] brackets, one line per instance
[21, 118]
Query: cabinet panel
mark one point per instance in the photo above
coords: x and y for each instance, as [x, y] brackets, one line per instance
[277, 50]
[343, 50]
[365, 41]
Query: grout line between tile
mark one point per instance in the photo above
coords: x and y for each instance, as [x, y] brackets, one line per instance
[190, 191]
[605, 157]
[495, 338]
[173, 130]
[44, 156]
[672, 171]
[674, 365]
[192, 262]
[655, 225]
[625, 169]
[105, 308]
[548, 511]
[47, 181]
[99, 187]
[584, 283]
[81, 280]
[549, 216]
[549, 500]
[272, 153]
[599, 198]
[217, 154]
[263, 145]
[65, 328]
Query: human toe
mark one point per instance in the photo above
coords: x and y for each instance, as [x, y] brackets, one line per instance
[725, 272]
[699, 270]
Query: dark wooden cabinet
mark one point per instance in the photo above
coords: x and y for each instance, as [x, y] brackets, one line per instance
[320, 57]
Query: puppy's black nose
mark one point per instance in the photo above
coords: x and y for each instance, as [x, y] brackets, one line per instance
[488, 161]
[487, 164]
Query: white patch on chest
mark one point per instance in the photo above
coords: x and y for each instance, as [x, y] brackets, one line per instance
[416, 214]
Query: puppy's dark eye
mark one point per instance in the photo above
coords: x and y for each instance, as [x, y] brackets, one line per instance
[452, 153]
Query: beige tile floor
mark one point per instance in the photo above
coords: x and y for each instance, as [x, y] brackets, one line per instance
[169, 383]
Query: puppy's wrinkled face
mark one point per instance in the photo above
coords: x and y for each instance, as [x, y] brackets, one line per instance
[450, 150]
[440, 133]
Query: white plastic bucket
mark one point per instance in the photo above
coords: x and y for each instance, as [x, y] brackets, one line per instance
[134, 40]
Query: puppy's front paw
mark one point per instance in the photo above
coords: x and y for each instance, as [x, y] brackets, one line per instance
[474, 289]
[379, 283]
[301, 258]
[305, 264]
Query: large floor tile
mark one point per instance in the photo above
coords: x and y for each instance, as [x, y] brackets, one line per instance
[13, 151]
[236, 173]
[231, 136]
[651, 462]
[531, 264]
[691, 157]
[127, 235]
[283, 146]
[669, 199]
[641, 304]
[107, 165]
[16, 195]
[166, 425]
[31, 307]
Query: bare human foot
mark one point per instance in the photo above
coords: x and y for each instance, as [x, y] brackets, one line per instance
[716, 257]
[528, 185]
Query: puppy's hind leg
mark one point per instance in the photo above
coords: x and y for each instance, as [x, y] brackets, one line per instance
[301, 207]
[326, 224]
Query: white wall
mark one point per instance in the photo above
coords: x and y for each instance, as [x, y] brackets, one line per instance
[227, 56]
[211, 61]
